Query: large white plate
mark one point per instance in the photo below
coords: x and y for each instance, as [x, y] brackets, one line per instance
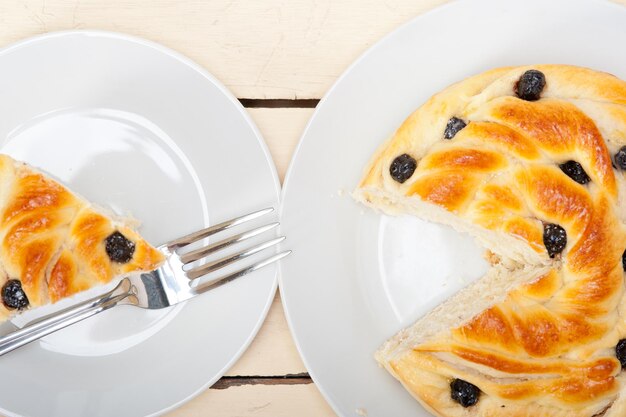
[355, 277]
[138, 128]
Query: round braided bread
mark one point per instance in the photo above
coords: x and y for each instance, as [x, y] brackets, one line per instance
[532, 162]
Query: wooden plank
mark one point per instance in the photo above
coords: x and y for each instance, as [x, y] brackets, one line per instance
[281, 129]
[273, 351]
[259, 49]
[302, 400]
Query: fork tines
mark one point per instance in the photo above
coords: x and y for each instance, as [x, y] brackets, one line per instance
[220, 227]
[197, 254]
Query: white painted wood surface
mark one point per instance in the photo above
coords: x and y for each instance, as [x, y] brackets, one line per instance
[258, 401]
[281, 129]
[259, 49]
[272, 352]
[266, 49]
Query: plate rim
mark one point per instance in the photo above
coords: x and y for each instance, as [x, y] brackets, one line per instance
[297, 150]
[277, 187]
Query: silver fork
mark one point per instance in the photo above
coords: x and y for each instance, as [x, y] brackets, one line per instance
[168, 285]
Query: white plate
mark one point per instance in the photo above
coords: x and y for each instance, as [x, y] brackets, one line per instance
[355, 277]
[136, 127]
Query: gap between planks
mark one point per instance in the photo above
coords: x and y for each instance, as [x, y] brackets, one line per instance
[279, 103]
[236, 381]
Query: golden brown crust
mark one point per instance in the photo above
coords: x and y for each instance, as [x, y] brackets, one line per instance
[64, 279]
[428, 376]
[548, 349]
[54, 242]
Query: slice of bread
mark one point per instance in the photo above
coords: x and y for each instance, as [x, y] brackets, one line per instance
[54, 244]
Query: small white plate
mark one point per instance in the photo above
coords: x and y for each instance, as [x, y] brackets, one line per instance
[355, 277]
[138, 128]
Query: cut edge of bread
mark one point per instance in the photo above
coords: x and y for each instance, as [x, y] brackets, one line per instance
[523, 265]
[515, 251]
[457, 310]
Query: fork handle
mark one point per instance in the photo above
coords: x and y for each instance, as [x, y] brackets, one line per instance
[64, 318]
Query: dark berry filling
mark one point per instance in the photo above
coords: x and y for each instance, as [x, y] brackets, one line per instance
[575, 171]
[13, 296]
[453, 127]
[620, 158]
[402, 168]
[624, 260]
[119, 248]
[530, 85]
[555, 238]
[620, 352]
[464, 393]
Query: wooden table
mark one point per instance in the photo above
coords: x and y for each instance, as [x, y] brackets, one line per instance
[279, 57]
